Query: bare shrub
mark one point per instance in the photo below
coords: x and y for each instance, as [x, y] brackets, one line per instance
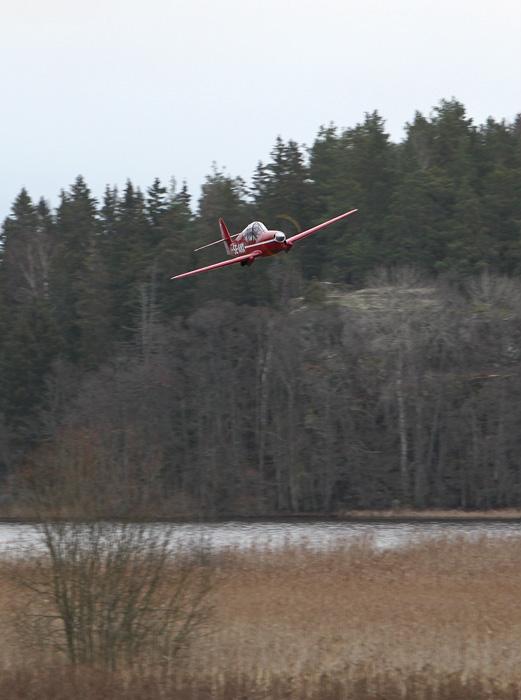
[82, 475]
[495, 294]
[111, 593]
[399, 277]
[114, 594]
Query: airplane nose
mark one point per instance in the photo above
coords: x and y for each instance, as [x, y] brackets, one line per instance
[280, 237]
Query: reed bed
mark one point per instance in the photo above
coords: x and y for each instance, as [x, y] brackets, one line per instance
[454, 606]
[438, 619]
[91, 684]
[444, 514]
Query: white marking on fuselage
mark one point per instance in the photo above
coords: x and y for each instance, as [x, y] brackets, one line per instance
[238, 248]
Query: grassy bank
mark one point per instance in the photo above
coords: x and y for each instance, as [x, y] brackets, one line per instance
[25, 514]
[438, 619]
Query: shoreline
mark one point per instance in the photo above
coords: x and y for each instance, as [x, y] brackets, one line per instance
[356, 516]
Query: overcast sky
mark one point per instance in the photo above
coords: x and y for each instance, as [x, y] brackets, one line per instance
[119, 89]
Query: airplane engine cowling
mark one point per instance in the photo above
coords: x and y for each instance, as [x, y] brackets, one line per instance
[280, 237]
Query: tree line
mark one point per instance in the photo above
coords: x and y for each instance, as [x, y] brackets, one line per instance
[321, 381]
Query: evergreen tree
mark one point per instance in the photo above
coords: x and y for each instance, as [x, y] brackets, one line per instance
[77, 228]
[222, 195]
[32, 343]
[327, 179]
[109, 214]
[416, 226]
[417, 151]
[128, 256]
[25, 241]
[333, 190]
[174, 253]
[500, 191]
[470, 249]
[435, 220]
[369, 161]
[94, 307]
[281, 186]
[281, 193]
[157, 206]
[454, 142]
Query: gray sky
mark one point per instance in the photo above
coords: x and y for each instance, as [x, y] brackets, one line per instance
[119, 89]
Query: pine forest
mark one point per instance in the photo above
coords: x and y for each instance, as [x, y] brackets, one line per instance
[376, 366]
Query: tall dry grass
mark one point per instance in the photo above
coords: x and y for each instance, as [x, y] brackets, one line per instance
[439, 607]
[92, 684]
[438, 619]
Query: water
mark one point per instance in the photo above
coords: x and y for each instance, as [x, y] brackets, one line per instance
[18, 537]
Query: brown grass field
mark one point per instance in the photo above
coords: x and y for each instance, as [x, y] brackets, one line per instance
[439, 619]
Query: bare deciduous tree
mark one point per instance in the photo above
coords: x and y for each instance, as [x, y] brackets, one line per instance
[114, 594]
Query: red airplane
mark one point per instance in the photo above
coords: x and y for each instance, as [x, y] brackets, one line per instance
[255, 241]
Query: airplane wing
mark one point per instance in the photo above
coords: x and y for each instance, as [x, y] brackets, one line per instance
[240, 258]
[309, 231]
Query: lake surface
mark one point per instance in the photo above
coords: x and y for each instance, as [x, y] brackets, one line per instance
[319, 534]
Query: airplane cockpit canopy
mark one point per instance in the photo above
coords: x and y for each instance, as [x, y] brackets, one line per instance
[253, 231]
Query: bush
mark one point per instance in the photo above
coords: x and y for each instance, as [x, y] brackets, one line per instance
[113, 594]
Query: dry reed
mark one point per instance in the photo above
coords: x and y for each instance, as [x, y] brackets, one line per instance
[439, 619]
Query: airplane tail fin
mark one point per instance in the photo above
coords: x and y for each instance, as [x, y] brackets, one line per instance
[225, 235]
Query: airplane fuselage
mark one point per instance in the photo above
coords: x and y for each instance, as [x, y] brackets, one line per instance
[268, 243]
[255, 241]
